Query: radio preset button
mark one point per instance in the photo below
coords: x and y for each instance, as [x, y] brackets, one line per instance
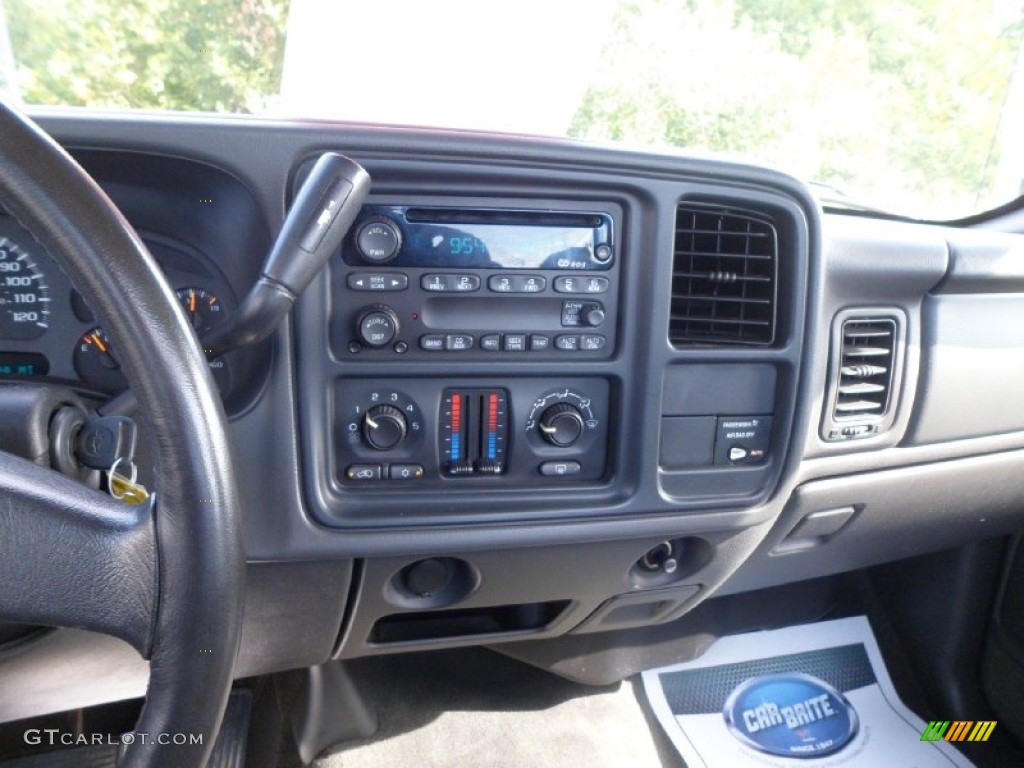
[500, 284]
[450, 283]
[434, 283]
[463, 283]
[567, 284]
[372, 281]
[539, 343]
[580, 284]
[517, 283]
[491, 342]
[515, 342]
[378, 240]
[592, 342]
[567, 343]
[433, 342]
[458, 342]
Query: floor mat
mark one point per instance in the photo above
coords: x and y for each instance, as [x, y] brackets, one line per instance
[813, 696]
[477, 708]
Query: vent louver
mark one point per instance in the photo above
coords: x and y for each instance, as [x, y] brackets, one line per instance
[723, 277]
[865, 368]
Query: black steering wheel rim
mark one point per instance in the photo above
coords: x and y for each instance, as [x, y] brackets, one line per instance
[168, 576]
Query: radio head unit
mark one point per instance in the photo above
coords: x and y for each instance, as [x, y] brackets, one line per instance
[416, 281]
[453, 238]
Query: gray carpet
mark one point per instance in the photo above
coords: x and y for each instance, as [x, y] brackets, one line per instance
[476, 708]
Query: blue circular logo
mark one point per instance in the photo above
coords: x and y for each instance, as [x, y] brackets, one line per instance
[791, 715]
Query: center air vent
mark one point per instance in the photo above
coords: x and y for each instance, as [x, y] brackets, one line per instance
[723, 278]
[865, 355]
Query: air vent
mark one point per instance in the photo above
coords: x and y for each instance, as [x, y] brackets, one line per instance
[865, 356]
[723, 279]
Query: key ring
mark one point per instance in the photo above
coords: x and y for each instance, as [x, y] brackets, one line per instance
[130, 481]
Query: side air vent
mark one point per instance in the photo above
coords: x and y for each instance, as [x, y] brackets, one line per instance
[865, 359]
[723, 277]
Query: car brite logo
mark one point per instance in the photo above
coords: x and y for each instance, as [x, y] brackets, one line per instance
[791, 715]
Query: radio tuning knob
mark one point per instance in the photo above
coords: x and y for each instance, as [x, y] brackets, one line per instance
[377, 326]
[561, 424]
[384, 427]
[378, 240]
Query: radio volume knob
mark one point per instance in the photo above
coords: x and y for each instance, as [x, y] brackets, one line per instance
[384, 427]
[377, 326]
[561, 425]
[378, 240]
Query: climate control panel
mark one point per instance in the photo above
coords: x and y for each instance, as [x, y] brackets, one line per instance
[477, 433]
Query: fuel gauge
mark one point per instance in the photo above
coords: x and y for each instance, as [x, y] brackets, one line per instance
[96, 364]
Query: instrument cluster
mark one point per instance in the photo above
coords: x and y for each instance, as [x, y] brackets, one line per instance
[48, 332]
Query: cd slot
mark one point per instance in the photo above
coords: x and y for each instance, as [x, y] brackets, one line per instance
[486, 216]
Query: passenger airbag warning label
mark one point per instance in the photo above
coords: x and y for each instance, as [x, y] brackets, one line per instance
[743, 439]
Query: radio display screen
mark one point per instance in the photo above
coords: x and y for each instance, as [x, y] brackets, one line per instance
[504, 246]
[495, 239]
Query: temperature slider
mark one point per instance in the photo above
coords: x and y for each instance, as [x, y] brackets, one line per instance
[474, 431]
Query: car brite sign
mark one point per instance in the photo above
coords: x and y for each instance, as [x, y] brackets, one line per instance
[790, 715]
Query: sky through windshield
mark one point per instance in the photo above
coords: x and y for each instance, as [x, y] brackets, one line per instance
[911, 106]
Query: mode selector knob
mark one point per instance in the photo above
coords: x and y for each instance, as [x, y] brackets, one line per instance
[384, 427]
[561, 424]
[377, 326]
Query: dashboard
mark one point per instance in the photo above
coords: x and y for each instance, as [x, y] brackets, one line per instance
[547, 392]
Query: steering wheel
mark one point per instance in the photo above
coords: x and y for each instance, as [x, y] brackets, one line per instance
[166, 576]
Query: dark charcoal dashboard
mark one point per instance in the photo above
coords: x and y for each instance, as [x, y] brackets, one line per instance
[545, 390]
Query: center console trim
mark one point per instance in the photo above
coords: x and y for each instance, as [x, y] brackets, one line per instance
[632, 484]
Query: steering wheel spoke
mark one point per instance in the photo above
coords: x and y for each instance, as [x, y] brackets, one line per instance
[74, 557]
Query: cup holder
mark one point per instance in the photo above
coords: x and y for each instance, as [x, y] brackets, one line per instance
[434, 582]
[669, 562]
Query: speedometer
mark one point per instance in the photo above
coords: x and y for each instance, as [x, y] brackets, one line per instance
[24, 294]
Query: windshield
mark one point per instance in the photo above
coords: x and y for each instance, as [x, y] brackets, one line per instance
[914, 107]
